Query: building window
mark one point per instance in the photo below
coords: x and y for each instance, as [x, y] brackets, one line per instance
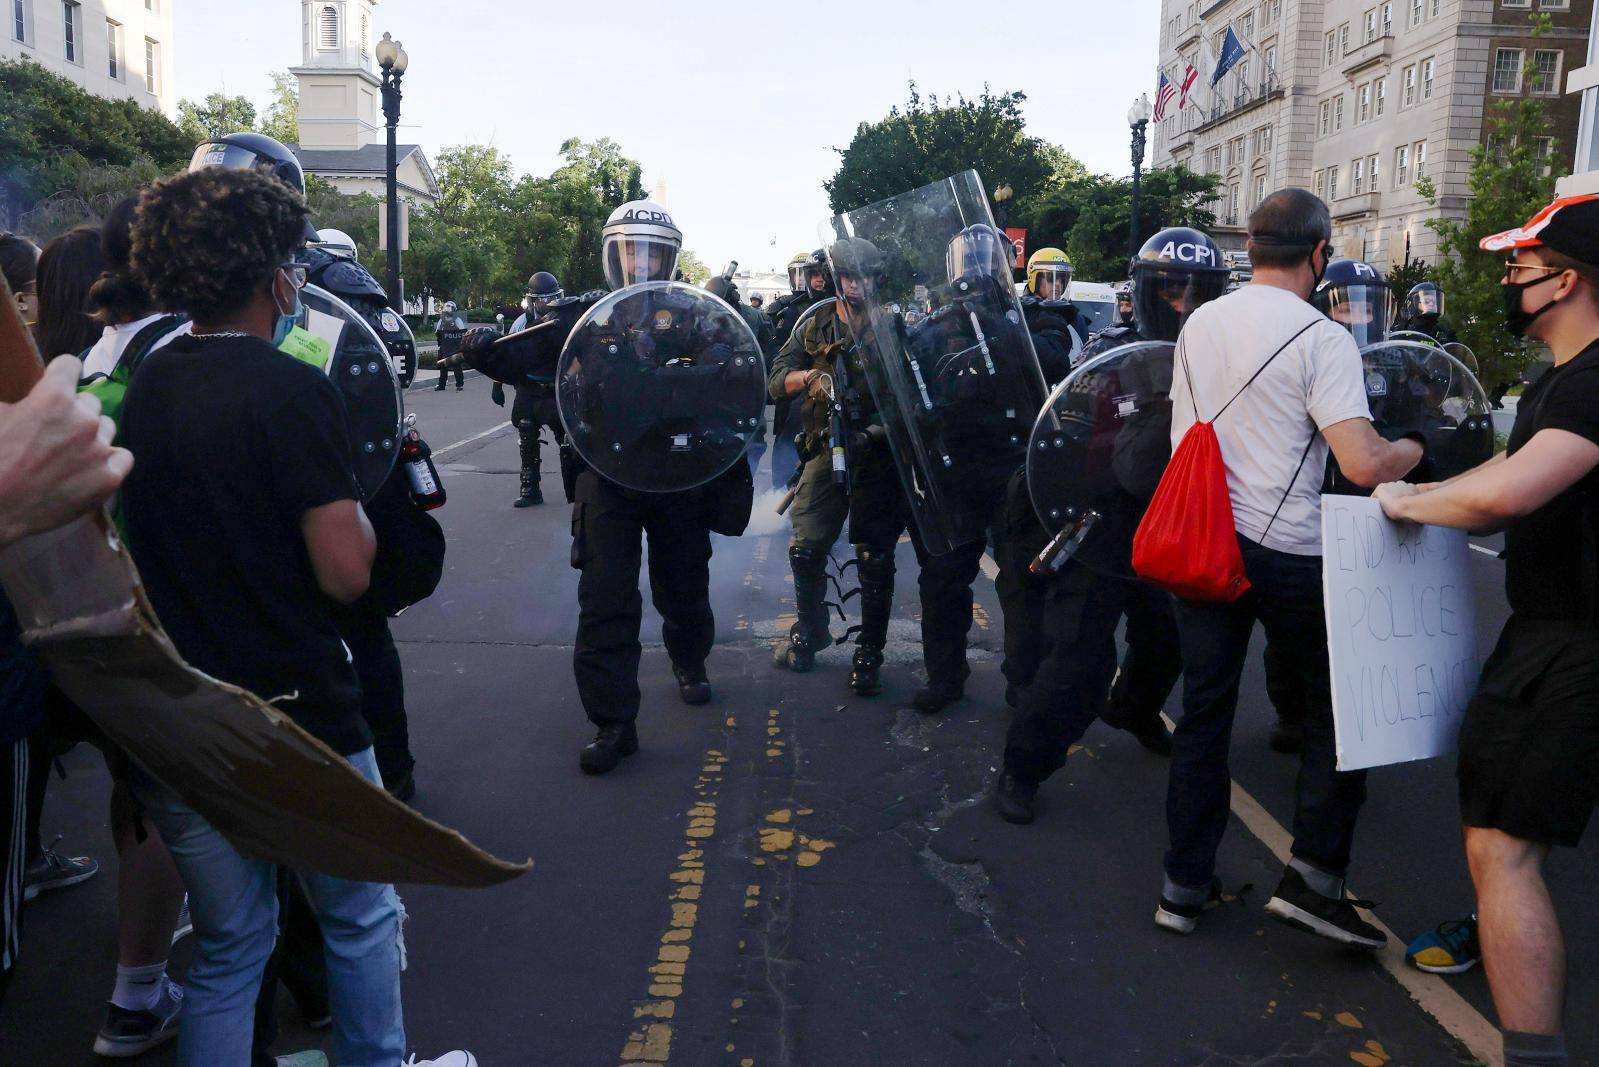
[1232, 204]
[1357, 177]
[1263, 138]
[1507, 70]
[1543, 149]
[1369, 26]
[1379, 91]
[1320, 184]
[1332, 44]
[1388, 19]
[1326, 117]
[1401, 166]
[152, 66]
[1515, 3]
[1338, 113]
[1418, 155]
[1418, 10]
[366, 35]
[69, 29]
[1546, 71]
[1436, 4]
[113, 48]
[327, 28]
[153, 6]
[19, 21]
[1260, 188]
[1271, 61]
[1408, 81]
[1247, 26]
[1426, 78]
[1363, 103]
[1343, 39]
[1555, 5]
[1499, 147]
[1332, 182]
[1371, 173]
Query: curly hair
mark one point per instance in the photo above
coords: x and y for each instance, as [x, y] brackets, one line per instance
[117, 296]
[207, 241]
[67, 269]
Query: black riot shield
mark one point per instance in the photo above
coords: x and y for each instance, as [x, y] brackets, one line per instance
[352, 354]
[949, 360]
[1420, 389]
[660, 387]
[1097, 453]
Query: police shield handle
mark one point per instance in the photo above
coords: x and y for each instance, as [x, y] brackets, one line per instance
[464, 356]
[277, 793]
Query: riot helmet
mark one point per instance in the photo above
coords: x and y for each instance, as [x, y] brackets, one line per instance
[796, 271]
[858, 264]
[1356, 296]
[816, 276]
[1049, 277]
[1124, 303]
[641, 244]
[1175, 272]
[1424, 305]
[337, 243]
[976, 252]
[757, 301]
[250, 151]
[543, 289]
[449, 307]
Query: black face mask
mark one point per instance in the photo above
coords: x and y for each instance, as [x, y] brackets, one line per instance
[1517, 320]
[1326, 260]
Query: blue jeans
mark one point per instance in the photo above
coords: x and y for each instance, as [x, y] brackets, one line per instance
[1286, 598]
[234, 903]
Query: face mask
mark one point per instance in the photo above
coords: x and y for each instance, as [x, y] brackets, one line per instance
[1326, 257]
[1517, 320]
[286, 319]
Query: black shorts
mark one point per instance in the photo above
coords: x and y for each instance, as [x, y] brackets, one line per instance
[1529, 745]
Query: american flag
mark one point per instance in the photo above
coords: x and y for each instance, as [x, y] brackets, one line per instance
[1190, 76]
[1164, 91]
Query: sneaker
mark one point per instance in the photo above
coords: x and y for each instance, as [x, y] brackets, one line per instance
[309, 1058]
[128, 1033]
[449, 1059]
[1450, 949]
[52, 870]
[1184, 918]
[1298, 905]
[185, 924]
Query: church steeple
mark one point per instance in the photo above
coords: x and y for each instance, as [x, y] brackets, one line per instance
[338, 88]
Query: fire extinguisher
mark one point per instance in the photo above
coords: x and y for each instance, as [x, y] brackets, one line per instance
[427, 488]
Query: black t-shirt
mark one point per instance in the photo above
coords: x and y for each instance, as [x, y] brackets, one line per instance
[1550, 559]
[233, 441]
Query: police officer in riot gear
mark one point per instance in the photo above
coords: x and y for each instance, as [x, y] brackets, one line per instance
[332, 264]
[533, 410]
[1176, 271]
[1049, 293]
[1424, 313]
[1356, 296]
[1124, 304]
[450, 329]
[641, 244]
[821, 368]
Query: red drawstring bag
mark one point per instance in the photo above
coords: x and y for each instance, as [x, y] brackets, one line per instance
[1186, 542]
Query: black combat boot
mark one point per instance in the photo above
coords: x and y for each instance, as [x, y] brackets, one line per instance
[1014, 798]
[875, 567]
[809, 634]
[692, 685]
[614, 742]
[936, 696]
[531, 494]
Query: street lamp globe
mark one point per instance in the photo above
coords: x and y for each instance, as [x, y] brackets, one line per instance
[1003, 193]
[387, 51]
[1139, 113]
[401, 59]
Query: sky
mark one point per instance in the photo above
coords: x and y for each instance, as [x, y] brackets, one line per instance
[734, 110]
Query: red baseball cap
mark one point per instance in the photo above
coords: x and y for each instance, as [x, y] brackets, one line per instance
[1570, 226]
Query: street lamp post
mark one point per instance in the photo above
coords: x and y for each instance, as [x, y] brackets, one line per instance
[393, 61]
[1002, 197]
[1138, 121]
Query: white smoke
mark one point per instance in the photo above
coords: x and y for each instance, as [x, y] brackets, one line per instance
[764, 518]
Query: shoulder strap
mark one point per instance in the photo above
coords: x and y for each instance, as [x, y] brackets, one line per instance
[145, 340]
[1269, 359]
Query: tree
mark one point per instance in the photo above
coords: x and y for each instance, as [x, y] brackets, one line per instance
[693, 268]
[1407, 276]
[218, 116]
[282, 121]
[1089, 216]
[1509, 182]
[933, 139]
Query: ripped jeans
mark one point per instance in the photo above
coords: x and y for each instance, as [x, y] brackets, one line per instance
[234, 903]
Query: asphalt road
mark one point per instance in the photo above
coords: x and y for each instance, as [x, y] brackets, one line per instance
[795, 876]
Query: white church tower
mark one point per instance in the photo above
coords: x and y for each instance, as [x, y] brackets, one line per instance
[338, 83]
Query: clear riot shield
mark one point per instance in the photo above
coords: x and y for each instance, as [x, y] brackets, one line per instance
[949, 361]
[1421, 389]
[660, 387]
[1461, 352]
[362, 370]
[1097, 452]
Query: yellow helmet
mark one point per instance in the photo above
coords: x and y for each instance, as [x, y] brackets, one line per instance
[796, 271]
[1051, 261]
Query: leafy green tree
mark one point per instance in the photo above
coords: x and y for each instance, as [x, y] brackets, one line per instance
[217, 116]
[1405, 277]
[931, 139]
[693, 268]
[595, 180]
[282, 120]
[1509, 182]
[1089, 215]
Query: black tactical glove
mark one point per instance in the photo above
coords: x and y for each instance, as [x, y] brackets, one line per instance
[474, 344]
[497, 394]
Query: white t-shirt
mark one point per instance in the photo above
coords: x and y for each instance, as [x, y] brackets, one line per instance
[102, 358]
[1317, 382]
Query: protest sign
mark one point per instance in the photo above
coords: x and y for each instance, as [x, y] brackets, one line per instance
[1401, 633]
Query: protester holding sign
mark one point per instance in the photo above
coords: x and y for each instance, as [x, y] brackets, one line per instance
[1529, 746]
[1283, 384]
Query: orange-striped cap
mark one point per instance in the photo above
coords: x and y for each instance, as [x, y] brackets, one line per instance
[1570, 226]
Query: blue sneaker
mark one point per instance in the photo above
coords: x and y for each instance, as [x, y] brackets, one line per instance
[1450, 949]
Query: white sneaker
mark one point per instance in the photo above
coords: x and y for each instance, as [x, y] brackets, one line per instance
[449, 1059]
[310, 1058]
[185, 924]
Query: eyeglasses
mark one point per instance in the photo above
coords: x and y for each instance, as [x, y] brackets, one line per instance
[297, 272]
[1511, 266]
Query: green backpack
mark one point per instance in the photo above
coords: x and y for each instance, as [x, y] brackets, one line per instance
[111, 389]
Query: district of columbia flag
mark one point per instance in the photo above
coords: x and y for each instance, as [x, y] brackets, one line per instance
[1164, 91]
[1190, 76]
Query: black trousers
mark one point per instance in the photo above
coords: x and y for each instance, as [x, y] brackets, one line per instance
[377, 665]
[444, 376]
[609, 525]
[532, 412]
[13, 814]
[1026, 634]
[1073, 684]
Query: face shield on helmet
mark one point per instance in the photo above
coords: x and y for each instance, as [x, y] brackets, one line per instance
[1052, 284]
[641, 245]
[796, 272]
[978, 251]
[1165, 294]
[1366, 309]
[1425, 302]
[816, 276]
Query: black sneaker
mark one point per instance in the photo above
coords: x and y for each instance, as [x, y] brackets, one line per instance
[936, 696]
[1183, 918]
[613, 743]
[1298, 905]
[1014, 797]
[693, 686]
[129, 1033]
[51, 870]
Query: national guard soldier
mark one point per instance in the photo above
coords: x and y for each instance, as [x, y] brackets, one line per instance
[822, 368]
[1175, 272]
[812, 279]
[652, 390]
[723, 287]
